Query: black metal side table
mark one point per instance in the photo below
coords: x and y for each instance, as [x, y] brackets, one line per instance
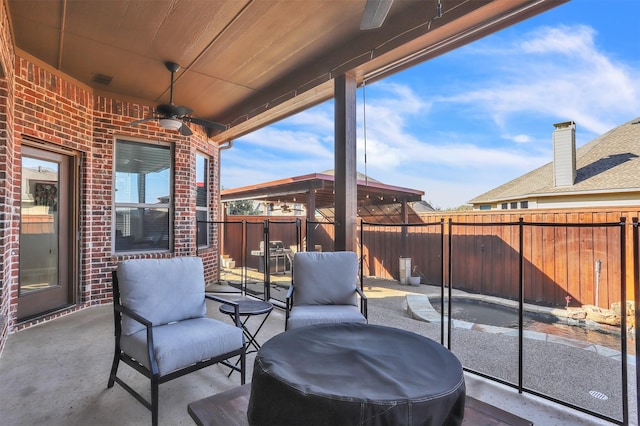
[248, 309]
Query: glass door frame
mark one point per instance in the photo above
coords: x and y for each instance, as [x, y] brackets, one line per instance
[35, 305]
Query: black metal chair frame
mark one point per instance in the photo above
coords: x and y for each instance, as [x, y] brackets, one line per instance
[154, 374]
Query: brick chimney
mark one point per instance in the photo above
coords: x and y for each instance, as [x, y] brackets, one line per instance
[564, 154]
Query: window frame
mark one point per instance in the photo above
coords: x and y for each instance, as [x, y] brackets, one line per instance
[169, 205]
[207, 207]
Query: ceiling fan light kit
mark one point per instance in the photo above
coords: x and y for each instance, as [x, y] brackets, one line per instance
[170, 123]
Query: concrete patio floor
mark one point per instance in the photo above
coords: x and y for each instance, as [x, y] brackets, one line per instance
[56, 373]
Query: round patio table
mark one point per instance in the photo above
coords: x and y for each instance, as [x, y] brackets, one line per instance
[360, 374]
[248, 309]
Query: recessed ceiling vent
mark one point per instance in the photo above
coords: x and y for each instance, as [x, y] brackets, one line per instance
[102, 79]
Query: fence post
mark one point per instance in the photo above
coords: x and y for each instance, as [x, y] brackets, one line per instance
[636, 301]
[361, 254]
[623, 312]
[244, 257]
[520, 305]
[267, 260]
[449, 321]
[442, 280]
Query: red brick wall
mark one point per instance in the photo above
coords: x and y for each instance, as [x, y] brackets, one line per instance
[8, 215]
[55, 110]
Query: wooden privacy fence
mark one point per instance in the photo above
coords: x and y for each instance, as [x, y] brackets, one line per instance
[572, 252]
[584, 254]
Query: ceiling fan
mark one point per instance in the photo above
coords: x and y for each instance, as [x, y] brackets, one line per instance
[175, 117]
[284, 208]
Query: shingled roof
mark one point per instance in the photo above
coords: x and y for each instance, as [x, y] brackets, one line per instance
[609, 163]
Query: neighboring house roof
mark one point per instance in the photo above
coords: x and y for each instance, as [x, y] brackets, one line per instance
[609, 163]
[422, 207]
[359, 176]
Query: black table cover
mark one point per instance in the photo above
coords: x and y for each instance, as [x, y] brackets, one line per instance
[353, 374]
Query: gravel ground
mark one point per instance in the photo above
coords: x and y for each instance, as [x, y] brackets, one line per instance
[566, 373]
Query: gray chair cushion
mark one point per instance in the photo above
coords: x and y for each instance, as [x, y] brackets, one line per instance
[184, 343]
[325, 278]
[161, 290]
[301, 316]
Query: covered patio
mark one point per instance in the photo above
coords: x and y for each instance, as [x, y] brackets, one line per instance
[81, 81]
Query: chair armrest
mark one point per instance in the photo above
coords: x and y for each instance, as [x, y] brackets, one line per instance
[290, 291]
[363, 302]
[289, 299]
[137, 317]
[236, 307]
[149, 326]
[289, 304]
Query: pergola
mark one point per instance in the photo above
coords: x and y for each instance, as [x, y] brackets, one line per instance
[317, 192]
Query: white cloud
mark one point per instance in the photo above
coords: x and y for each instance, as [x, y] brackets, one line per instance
[557, 72]
[288, 142]
[519, 138]
[320, 119]
[575, 41]
[391, 143]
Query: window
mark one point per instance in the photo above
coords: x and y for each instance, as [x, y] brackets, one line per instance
[505, 206]
[514, 205]
[524, 204]
[485, 207]
[142, 185]
[202, 199]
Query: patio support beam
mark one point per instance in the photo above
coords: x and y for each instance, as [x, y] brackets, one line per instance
[346, 187]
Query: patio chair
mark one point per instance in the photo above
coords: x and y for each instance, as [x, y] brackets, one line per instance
[324, 289]
[161, 327]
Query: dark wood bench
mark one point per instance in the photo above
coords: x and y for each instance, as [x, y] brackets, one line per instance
[230, 409]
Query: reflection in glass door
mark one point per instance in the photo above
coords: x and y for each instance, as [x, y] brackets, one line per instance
[45, 253]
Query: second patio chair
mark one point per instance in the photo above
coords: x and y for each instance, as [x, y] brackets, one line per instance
[161, 326]
[324, 289]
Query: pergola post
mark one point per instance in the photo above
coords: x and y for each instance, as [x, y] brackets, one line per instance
[404, 213]
[311, 217]
[346, 189]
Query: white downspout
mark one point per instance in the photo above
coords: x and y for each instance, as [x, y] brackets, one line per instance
[223, 146]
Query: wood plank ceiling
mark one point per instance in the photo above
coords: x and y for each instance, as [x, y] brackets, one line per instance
[245, 63]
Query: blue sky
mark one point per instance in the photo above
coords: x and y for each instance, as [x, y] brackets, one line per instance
[463, 123]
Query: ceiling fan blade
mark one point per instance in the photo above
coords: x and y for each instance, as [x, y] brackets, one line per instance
[185, 130]
[375, 12]
[144, 120]
[205, 123]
